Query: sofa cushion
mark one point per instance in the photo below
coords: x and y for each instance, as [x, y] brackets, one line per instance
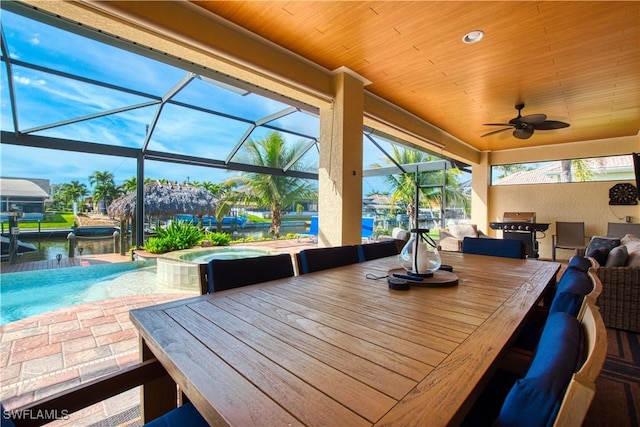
[535, 399]
[632, 243]
[617, 257]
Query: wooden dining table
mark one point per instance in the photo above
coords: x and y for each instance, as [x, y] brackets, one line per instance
[335, 348]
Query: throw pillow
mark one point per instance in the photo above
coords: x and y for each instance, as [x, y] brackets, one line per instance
[601, 242]
[617, 257]
[600, 255]
[600, 246]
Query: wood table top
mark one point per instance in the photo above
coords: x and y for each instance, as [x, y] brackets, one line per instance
[334, 348]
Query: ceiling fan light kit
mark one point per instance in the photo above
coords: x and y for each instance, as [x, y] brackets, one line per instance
[524, 126]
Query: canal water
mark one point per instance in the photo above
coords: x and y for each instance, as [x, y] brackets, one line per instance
[48, 247]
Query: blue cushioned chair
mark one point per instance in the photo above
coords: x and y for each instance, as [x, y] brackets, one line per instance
[233, 273]
[185, 415]
[580, 263]
[573, 286]
[92, 392]
[377, 250]
[508, 248]
[310, 260]
[535, 399]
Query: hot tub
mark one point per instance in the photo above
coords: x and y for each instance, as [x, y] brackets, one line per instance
[181, 269]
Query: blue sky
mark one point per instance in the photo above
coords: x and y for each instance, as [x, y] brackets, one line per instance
[43, 98]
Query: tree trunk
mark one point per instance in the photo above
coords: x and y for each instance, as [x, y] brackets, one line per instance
[275, 222]
[565, 171]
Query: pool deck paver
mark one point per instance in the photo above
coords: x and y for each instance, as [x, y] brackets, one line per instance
[49, 353]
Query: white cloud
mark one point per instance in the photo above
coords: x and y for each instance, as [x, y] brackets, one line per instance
[26, 81]
[35, 40]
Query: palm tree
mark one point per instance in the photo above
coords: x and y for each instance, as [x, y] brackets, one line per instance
[280, 193]
[104, 188]
[576, 167]
[75, 191]
[130, 185]
[403, 185]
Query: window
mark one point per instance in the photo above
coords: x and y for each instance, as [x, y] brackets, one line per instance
[613, 168]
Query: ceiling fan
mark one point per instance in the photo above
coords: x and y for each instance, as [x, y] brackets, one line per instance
[523, 126]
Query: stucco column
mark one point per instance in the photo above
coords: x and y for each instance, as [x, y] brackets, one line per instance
[480, 194]
[340, 171]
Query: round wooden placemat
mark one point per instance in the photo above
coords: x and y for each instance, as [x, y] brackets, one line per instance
[439, 278]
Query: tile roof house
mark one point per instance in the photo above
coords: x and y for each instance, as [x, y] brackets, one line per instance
[23, 195]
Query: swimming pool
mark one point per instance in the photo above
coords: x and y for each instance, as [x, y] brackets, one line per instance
[30, 293]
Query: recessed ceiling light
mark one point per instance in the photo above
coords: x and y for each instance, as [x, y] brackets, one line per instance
[473, 36]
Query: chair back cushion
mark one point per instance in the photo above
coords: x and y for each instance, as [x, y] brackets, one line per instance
[310, 260]
[579, 263]
[233, 273]
[573, 286]
[535, 399]
[369, 251]
[508, 248]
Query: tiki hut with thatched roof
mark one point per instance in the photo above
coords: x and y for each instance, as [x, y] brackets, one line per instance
[165, 200]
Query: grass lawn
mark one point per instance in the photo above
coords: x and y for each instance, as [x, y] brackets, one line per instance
[57, 220]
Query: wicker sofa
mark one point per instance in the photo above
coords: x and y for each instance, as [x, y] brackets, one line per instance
[619, 301]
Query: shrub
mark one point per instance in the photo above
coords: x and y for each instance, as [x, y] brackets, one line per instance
[176, 236]
[218, 239]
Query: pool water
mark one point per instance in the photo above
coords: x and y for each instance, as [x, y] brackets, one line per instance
[203, 256]
[30, 293]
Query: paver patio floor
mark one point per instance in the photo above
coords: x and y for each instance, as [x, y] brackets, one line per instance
[48, 353]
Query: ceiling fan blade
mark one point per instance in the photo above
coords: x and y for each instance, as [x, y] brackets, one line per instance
[496, 131]
[498, 124]
[533, 119]
[523, 133]
[550, 125]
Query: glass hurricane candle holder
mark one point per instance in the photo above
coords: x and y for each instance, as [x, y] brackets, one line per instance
[420, 255]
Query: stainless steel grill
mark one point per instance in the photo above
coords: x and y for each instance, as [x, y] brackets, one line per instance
[519, 217]
[521, 226]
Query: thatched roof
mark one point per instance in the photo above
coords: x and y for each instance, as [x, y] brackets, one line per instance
[166, 199]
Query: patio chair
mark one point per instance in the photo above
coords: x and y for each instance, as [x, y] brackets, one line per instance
[225, 274]
[508, 248]
[79, 397]
[366, 230]
[552, 392]
[569, 235]
[310, 260]
[369, 251]
[313, 230]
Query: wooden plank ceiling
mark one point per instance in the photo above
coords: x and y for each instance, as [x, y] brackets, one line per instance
[577, 62]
